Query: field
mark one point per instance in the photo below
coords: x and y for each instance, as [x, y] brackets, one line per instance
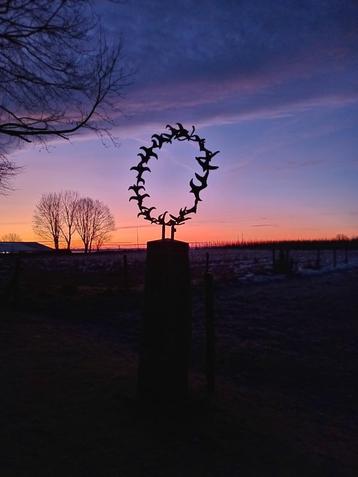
[287, 361]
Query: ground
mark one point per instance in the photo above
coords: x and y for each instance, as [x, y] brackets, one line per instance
[285, 401]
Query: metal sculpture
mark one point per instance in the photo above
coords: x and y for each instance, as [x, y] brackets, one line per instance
[178, 133]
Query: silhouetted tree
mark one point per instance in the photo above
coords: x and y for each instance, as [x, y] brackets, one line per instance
[94, 222]
[47, 218]
[10, 237]
[68, 208]
[103, 236]
[58, 74]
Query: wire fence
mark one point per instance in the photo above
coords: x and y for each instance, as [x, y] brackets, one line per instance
[34, 275]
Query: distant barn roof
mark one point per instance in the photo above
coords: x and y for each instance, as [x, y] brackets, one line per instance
[16, 247]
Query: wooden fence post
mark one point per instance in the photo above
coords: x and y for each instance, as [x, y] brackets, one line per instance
[207, 257]
[12, 293]
[125, 272]
[210, 332]
[318, 258]
[274, 259]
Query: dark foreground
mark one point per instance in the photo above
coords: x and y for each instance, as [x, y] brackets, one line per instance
[285, 404]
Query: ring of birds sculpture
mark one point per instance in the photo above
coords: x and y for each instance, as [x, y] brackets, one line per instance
[178, 133]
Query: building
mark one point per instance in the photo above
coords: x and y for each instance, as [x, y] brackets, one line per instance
[23, 247]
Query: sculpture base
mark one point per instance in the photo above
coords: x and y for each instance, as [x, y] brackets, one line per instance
[166, 338]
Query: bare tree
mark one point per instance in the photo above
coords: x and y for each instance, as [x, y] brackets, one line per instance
[58, 74]
[47, 218]
[84, 220]
[106, 225]
[94, 222]
[68, 209]
[101, 239]
[10, 237]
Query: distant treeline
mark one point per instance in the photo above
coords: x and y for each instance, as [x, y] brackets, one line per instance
[322, 244]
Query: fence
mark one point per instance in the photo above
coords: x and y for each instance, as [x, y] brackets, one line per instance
[34, 274]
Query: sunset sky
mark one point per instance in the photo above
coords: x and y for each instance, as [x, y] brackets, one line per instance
[272, 85]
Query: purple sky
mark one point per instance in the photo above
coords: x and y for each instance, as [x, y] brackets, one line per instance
[272, 85]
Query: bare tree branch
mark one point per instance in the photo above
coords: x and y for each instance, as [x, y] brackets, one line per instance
[8, 170]
[94, 222]
[58, 74]
[69, 204]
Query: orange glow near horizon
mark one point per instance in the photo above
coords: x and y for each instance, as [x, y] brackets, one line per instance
[193, 233]
[277, 100]
[254, 195]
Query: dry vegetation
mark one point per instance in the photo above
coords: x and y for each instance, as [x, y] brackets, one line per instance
[286, 366]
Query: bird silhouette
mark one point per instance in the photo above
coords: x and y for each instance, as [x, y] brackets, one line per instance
[140, 168]
[183, 211]
[202, 145]
[139, 198]
[205, 164]
[195, 190]
[149, 152]
[193, 209]
[203, 179]
[144, 159]
[161, 217]
[199, 140]
[182, 130]
[146, 213]
[159, 140]
[172, 130]
[179, 219]
[136, 188]
[210, 154]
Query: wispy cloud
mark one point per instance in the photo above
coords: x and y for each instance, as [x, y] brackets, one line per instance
[125, 227]
[224, 62]
[264, 225]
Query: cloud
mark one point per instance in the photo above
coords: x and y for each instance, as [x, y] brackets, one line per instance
[224, 61]
[264, 225]
[196, 38]
[219, 109]
[125, 227]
